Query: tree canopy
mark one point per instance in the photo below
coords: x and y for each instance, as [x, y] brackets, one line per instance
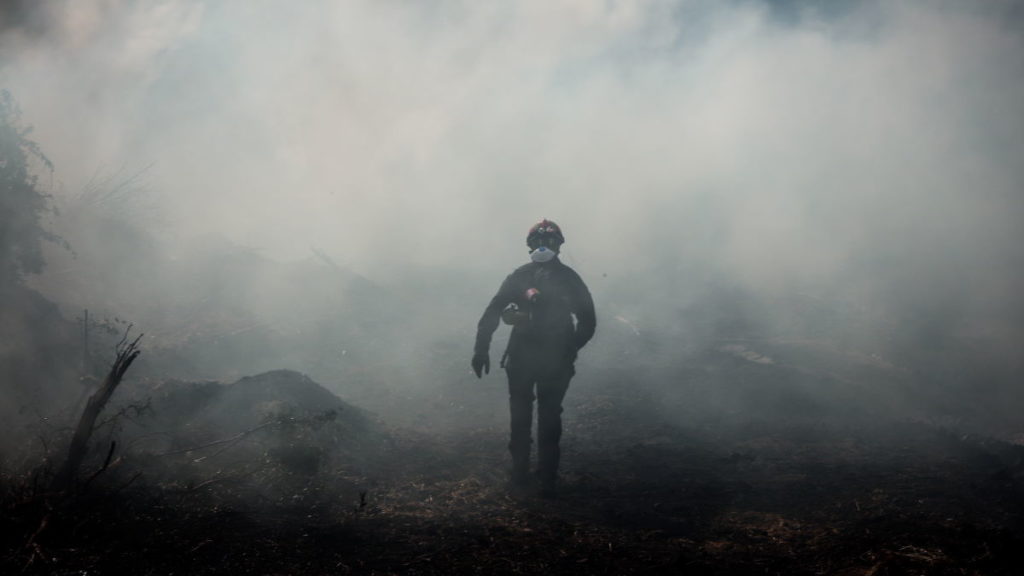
[22, 203]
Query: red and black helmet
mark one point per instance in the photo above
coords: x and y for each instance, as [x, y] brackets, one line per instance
[545, 233]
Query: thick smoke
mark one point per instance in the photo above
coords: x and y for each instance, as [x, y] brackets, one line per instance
[869, 156]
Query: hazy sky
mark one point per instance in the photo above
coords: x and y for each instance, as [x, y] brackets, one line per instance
[867, 147]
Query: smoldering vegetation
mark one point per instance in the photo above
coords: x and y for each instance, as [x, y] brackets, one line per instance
[801, 227]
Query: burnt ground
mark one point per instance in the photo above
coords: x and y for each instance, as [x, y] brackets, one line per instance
[640, 494]
[671, 502]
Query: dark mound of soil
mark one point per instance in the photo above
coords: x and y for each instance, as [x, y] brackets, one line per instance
[192, 407]
[274, 429]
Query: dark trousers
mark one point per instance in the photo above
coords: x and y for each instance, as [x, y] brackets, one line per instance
[550, 385]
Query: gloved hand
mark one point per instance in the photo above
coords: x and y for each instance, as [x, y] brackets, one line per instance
[481, 363]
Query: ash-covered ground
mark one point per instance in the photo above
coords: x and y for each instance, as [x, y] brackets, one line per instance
[274, 474]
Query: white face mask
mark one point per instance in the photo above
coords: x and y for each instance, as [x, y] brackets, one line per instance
[542, 254]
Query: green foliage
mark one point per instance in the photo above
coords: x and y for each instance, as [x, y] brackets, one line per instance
[22, 203]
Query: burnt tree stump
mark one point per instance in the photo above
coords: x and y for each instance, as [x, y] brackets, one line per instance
[126, 354]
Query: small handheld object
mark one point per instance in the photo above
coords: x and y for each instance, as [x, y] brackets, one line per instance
[513, 315]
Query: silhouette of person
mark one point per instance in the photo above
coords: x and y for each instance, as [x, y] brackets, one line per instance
[539, 300]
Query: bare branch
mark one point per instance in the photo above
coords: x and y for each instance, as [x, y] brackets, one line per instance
[106, 464]
[135, 410]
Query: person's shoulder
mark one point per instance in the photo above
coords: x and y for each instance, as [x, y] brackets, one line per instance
[567, 270]
[525, 268]
[520, 273]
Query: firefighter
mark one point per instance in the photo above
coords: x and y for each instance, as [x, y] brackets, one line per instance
[540, 300]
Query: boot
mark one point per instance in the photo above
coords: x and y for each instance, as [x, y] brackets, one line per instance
[548, 485]
[547, 468]
[520, 476]
[520, 470]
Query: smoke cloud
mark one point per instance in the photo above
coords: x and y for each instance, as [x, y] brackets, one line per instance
[870, 153]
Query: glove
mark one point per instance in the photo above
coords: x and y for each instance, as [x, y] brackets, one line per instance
[481, 364]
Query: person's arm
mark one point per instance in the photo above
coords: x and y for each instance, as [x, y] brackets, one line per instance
[487, 325]
[586, 319]
[491, 317]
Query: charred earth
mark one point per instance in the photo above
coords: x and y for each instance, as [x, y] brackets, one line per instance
[273, 474]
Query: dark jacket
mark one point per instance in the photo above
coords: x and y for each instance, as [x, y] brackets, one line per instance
[549, 336]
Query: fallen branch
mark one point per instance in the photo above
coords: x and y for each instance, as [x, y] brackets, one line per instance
[229, 441]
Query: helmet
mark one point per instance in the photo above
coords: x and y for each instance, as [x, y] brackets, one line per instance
[545, 233]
